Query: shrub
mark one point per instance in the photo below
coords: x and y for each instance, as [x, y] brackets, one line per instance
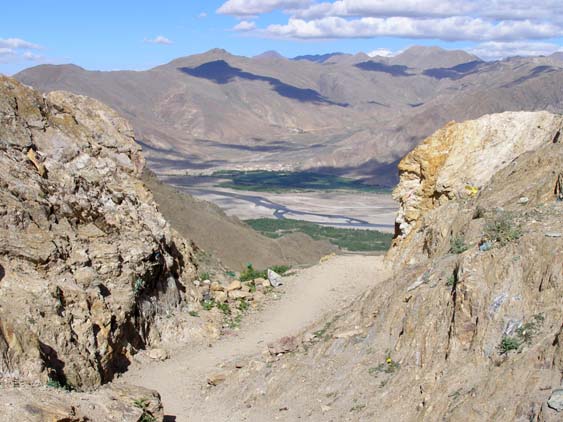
[457, 244]
[143, 404]
[508, 343]
[502, 229]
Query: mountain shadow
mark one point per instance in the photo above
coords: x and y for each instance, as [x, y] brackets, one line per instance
[455, 72]
[535, 72]
[220, 72]
[394, 70]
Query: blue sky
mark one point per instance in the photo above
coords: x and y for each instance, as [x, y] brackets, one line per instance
[106, 35]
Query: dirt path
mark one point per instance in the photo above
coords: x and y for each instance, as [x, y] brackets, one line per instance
[309, 295]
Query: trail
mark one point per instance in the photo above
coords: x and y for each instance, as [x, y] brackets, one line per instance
[308, 296]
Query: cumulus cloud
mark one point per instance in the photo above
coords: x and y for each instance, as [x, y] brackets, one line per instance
[383, 52]
[245, 26]
[457, 28]
[448, 20]
[257, 7]
[18, 43]
[494, 50]
[162, 40]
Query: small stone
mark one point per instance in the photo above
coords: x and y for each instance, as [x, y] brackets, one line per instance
[219, 296]
[216, 287]
[197, 283]
[206, 282]
[553, 234]
[259, 296]
[284, 345]
[556, 400]
[216, 379]
[158, 354]
[325, 409]
[234, 285]
[523, 200]
[274, 278]
[239, 294]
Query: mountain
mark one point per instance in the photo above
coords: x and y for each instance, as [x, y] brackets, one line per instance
[420, 57]
[349, 115]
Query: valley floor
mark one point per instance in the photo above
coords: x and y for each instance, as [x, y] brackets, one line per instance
[307, 297]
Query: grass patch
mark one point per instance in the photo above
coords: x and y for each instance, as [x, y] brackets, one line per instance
[349, 239]
[143, 404]
[502, 229]
[458, 245]
[283, 181]
[250, 273]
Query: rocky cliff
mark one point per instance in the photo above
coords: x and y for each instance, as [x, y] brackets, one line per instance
[88, 266]
[469, 326]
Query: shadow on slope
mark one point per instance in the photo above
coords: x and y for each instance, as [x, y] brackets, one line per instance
[221, 72]
[394, 70]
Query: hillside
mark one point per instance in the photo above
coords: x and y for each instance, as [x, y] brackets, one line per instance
[468, 324]
[219, 111]
[228, 239]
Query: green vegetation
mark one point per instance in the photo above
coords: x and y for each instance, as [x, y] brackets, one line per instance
[524, 335]
[282, 181]
[53, 383]
[250, 273]
[502, 229]
[143, 404]
[138, 286]
[208, 304]
[508, 343]
[349, 239]
[457, 244]
[193, 314]
[205, 276]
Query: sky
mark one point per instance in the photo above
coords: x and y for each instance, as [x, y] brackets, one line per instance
[137, 35]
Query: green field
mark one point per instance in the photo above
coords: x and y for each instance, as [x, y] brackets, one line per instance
[349, 239]
[281, 181]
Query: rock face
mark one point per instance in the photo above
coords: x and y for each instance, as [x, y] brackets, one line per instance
[458, 332]
[461, 158]
[87, 263]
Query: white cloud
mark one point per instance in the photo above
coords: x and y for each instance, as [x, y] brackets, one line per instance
[448, 29]
[162, 40]
[383, 52]
[494, 50]
[18, 43]
[448, 20]
[245, 26]
[256, 7]
[387, 8]
[28, 55]
[202, 15]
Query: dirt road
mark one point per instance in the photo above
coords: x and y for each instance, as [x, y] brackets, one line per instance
[308, 296]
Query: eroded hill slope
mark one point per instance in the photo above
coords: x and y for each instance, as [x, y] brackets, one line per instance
[469, 326]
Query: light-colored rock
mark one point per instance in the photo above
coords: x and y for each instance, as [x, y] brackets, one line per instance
[274, 278]
[158, 354]
[216, 287]
[284, 345]
[116, 402]
[220, 296]
[234, 285]
[556, 400]
[216, 379]
[239, 294]
[461, 158]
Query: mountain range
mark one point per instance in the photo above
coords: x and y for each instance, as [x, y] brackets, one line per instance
[352, 115]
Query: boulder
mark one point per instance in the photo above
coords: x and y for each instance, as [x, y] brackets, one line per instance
[274, 278]
[234, 285]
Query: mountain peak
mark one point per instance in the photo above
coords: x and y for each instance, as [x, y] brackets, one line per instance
[270, 54]
[424, 57]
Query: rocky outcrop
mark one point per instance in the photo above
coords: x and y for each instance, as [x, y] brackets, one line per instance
[87, 263]
[117, 402]
[461, 158]
[469, 325]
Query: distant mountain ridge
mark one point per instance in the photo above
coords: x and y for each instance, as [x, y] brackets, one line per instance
[345, 114]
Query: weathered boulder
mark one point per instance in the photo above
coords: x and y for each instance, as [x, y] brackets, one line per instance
[117, 402]
[87, 262]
